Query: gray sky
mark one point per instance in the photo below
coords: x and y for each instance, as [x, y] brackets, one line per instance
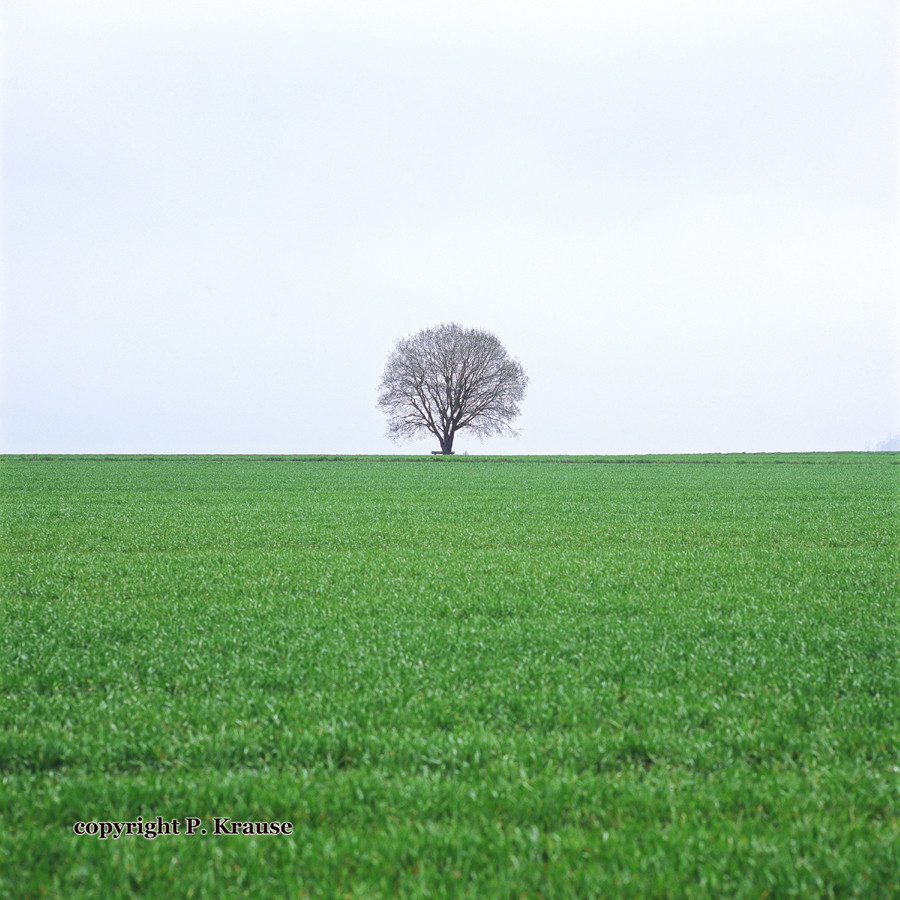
[682, 218]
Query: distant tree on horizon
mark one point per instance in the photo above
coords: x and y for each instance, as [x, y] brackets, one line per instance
[448, 378]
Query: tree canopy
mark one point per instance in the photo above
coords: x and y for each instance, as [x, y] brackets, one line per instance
[447, 378]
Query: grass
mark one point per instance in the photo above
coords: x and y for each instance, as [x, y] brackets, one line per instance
[469, 676]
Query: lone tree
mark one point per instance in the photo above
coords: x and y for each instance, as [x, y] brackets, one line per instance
[447, 378]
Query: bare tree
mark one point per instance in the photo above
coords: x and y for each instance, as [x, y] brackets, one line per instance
[447, 378]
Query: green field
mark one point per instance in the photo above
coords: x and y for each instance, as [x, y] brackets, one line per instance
[467, 676]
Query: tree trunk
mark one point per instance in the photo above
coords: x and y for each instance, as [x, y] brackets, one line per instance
[446, 444]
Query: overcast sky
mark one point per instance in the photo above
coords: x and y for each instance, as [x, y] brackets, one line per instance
[682, 218]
